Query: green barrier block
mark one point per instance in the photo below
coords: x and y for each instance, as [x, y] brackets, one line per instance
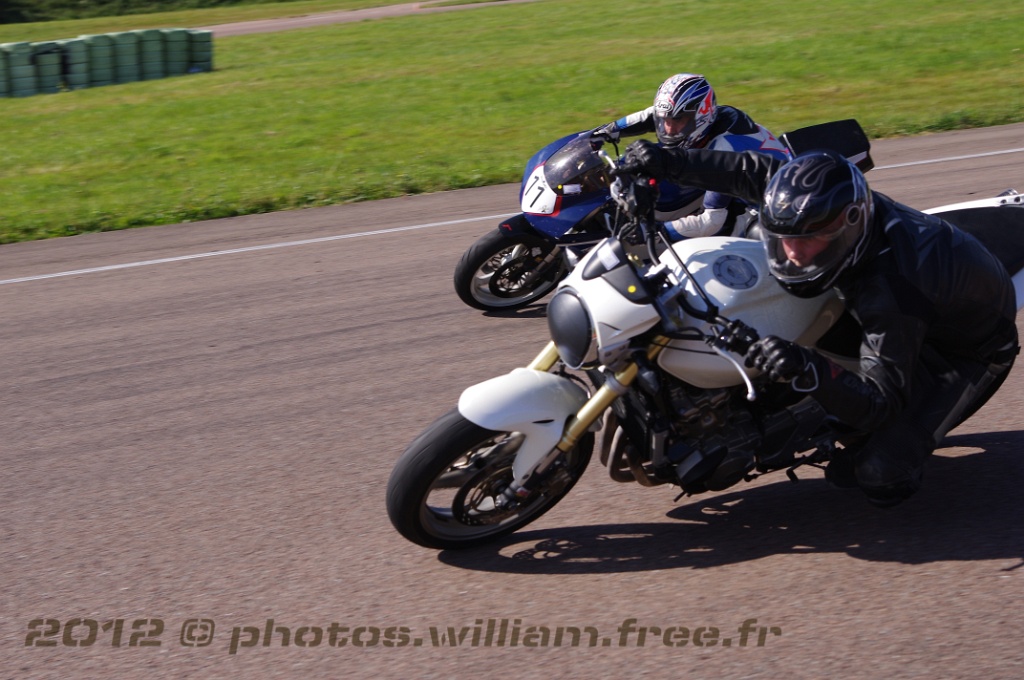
[126, 56]
[18, 54]
[5, 75]
[127, 75]
[102, 59]
[201, 52]
[126, 53]
[177, 68]
[177, 54]
[101, 52]
[175, 35]
[100, 40]
[46, 54]
[125, 38]
[202, 59]
[22, 72]
[149, 34]
[24, 87]
[75, 51]
[48, 61]
[150, 51]
[101, 62]
[152, 71]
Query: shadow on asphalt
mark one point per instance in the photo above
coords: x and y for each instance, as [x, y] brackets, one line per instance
[970, 508]
[538, 310]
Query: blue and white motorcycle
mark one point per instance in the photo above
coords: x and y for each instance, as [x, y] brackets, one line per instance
[636, 370]
[566, 207]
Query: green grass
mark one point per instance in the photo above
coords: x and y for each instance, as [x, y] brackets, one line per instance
[460, 99]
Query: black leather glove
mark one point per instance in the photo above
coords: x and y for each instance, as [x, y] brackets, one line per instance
[737, 337]
[643, 157]
[784, 361]
[609, 132]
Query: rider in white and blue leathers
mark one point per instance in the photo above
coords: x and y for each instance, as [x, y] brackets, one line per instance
[685, 115]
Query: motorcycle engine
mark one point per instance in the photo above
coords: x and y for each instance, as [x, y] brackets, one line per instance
[715, 438]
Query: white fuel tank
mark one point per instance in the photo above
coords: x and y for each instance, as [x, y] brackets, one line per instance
[734, 274]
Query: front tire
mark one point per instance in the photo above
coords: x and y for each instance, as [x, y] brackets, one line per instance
[505, 270]
[444, 491]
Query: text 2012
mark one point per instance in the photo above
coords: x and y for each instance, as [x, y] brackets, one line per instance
[79, 632]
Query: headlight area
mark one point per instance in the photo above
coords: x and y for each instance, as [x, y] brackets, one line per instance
[571, 329]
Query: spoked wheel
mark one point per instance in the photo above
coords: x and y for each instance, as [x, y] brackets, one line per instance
[446, 489]
[508, 271]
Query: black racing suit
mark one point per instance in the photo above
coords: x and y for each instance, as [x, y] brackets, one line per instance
[937, 311]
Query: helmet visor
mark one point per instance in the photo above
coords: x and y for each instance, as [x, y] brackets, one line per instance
[802, 257]
[673, 131]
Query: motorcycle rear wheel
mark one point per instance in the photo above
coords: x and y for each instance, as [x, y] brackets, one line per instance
[444, 491]
[491, 273]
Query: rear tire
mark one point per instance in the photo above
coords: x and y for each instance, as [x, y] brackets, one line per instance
[491, 273]
[443, 488]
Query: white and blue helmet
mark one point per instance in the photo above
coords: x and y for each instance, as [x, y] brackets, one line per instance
[684, 109]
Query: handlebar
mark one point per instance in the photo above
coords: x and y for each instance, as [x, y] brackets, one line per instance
[636, 196]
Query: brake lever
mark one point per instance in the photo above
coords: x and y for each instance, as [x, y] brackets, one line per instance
[737, 338]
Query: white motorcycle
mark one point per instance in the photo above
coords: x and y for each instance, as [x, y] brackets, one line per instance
[636, 367]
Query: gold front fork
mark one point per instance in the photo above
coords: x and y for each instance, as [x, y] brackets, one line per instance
[546, 360]
[612, 389]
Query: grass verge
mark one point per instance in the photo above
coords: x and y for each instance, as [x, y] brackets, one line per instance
[459, 99]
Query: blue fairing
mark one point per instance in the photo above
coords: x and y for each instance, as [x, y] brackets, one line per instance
[542, 155]
[573, 209]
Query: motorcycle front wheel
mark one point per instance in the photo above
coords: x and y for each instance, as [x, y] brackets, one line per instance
[445, 489]
[505, 270]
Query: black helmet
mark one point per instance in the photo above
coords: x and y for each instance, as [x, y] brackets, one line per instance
[815, 218]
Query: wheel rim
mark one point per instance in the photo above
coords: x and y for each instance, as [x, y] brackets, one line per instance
[498, 281]
[463, 500]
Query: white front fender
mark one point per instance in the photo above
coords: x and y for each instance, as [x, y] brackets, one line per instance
[534, 403]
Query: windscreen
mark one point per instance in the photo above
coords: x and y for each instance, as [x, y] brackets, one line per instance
[576, 168]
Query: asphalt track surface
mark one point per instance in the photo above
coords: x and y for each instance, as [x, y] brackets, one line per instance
[199, 421]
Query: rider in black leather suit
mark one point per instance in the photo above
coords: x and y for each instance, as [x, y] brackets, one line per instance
[937, 308]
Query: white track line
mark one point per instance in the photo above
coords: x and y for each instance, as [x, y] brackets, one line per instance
[289, 244]
[946, 160]
[248, 249]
